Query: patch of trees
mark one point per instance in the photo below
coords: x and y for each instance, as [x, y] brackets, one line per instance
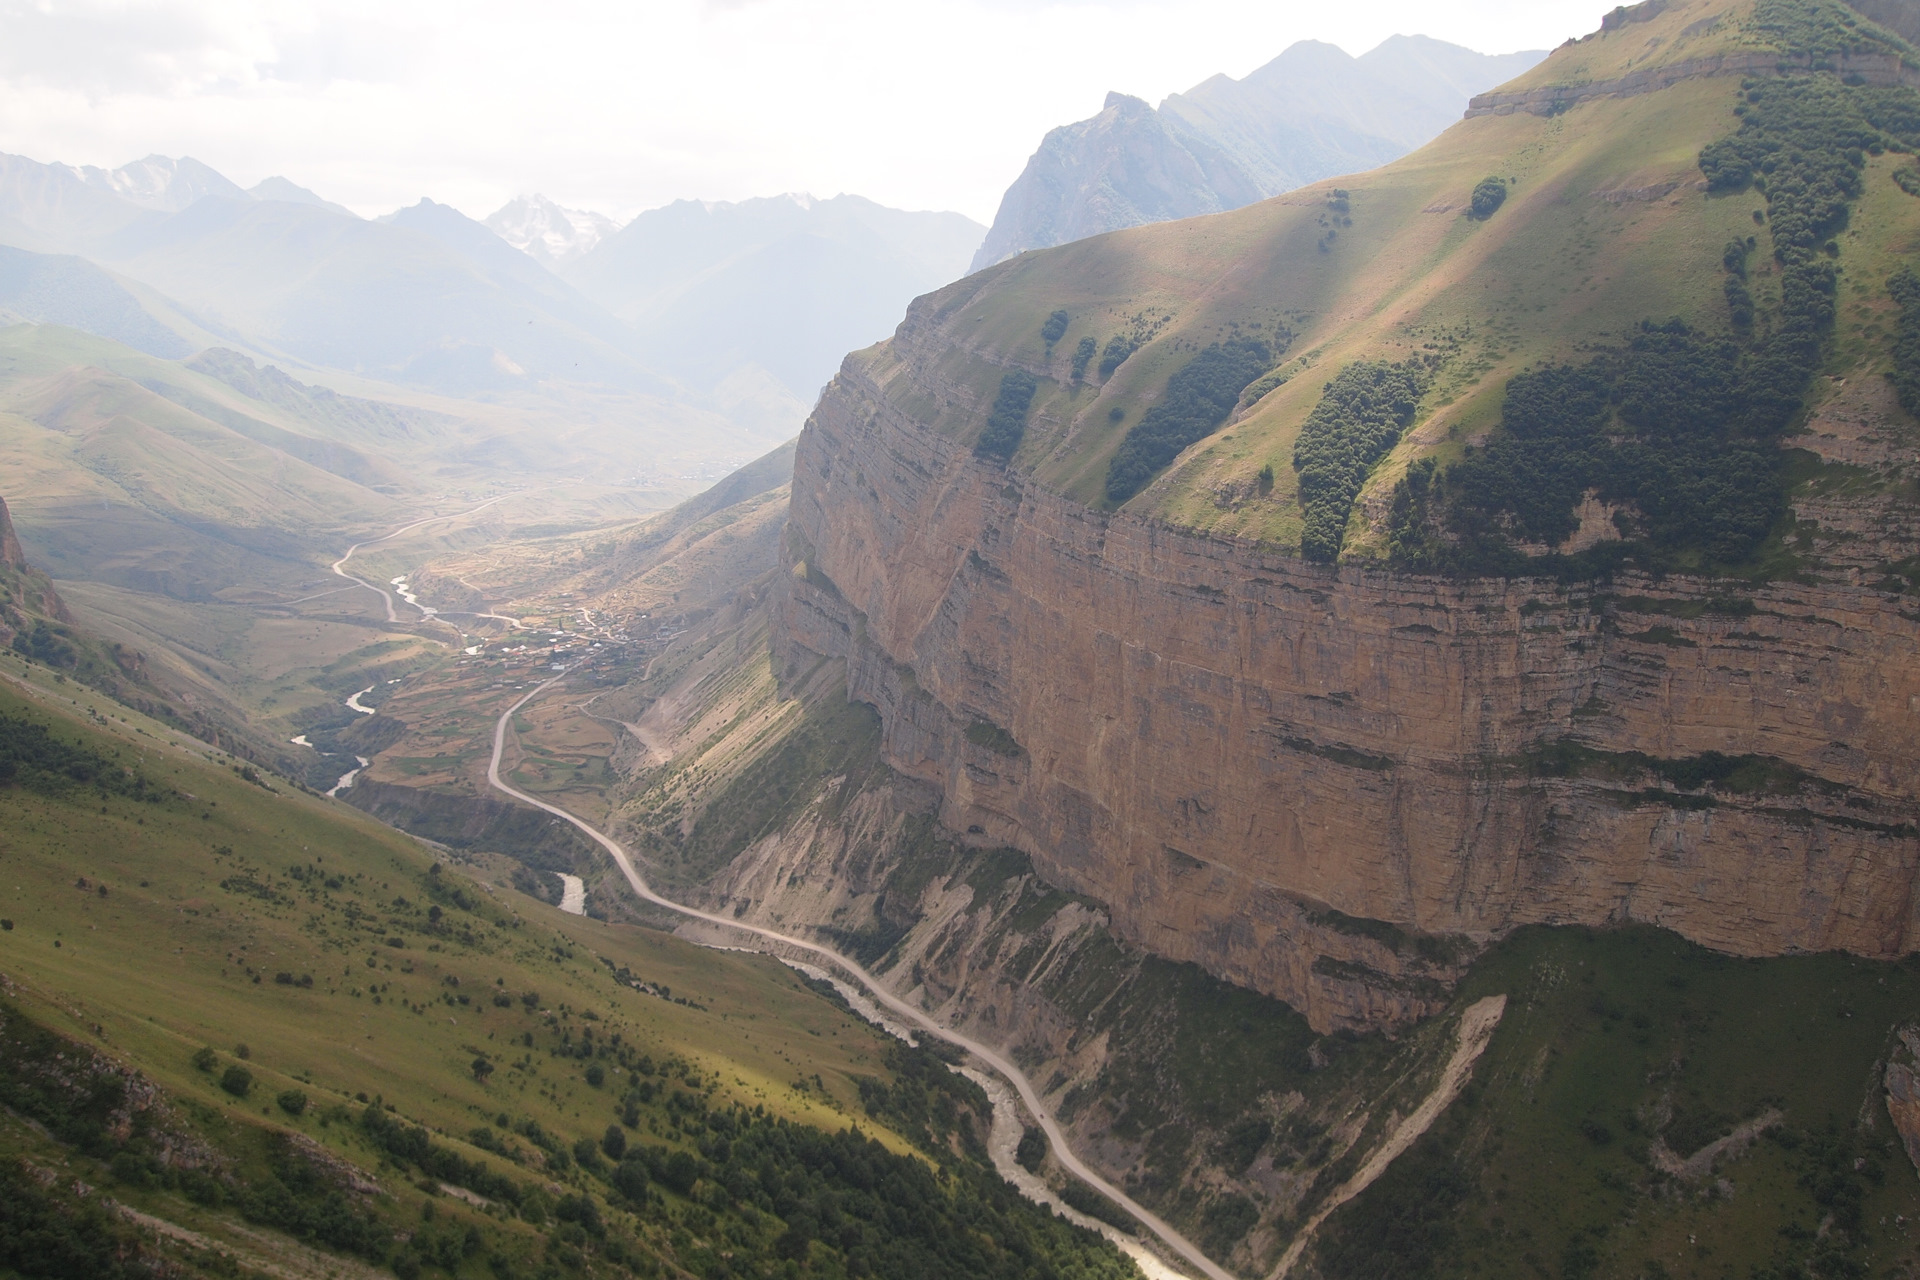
[845, 1197]
[1669, 430]
[1082, 357]
[1197, 400]
[930, 1105]
[45, 1234]
[1361, 414]
[413, 1145]
[1007, 423]
[32, 757]
[47, 642]
[1118, 348]
[1680, 428]
[1819, 30]
[1054, 327]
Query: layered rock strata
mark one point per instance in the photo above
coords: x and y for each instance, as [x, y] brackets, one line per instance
[1331, 786]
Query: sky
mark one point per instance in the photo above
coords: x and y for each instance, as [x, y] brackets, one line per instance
[620, 107]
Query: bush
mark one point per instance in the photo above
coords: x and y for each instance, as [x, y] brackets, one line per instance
[204, 1059]
[1488, 196]
[1055, 327]
[237, 1080]
[293, 1102]
[1007, 423]
[596, 1074]
[1198, 399]
[614, 1142]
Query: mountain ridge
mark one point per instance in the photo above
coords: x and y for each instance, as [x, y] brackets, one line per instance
[1312, 112]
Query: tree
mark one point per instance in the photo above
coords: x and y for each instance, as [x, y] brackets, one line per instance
[237, 1080]
[614, 1142]
[1488, 196]
[482, 1068]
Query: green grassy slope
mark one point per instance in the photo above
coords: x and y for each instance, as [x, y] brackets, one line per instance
[113, 478]
[1607, 223]
[1621, 1051]
[161, 901]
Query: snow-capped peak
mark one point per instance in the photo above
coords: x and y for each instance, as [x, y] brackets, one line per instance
[159, 182]
[547, 232]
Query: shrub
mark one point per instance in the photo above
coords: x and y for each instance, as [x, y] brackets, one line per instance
[1055, 327]
[237, 1080]
[614, 1142]
[1488, 196]
[596, 1074]
[1007, 423]
[204, 1059]
[1198, 399]
[293, 1102]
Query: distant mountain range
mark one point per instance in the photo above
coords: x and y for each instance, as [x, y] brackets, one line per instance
[1311, 113]
[787, 285]
[745, 307]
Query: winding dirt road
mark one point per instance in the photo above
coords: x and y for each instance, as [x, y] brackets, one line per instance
[1006, 1070]
[339, 566]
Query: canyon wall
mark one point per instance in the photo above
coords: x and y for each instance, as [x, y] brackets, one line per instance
[1333, 786]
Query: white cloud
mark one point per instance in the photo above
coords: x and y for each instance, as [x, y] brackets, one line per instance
[618, 107]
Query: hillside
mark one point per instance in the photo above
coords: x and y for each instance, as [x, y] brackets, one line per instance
[451, 1078]
[1311, 113]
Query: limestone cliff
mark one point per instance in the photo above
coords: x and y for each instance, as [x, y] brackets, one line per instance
[1328, 784]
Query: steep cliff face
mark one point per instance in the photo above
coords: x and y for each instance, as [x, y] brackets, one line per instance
[1330, 785]
[1334, 782]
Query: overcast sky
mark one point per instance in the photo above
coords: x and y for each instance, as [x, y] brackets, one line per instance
[920, 104]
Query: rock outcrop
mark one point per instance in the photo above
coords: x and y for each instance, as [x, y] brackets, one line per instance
[1332, 785]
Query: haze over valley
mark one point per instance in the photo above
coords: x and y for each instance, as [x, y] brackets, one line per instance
[1330, 694]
